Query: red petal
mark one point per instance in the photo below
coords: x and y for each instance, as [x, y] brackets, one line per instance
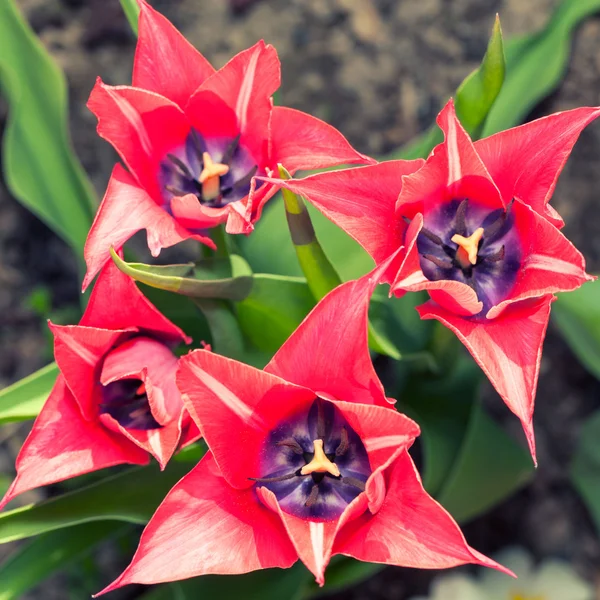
[453, 170]
[125, 210]
[301, 141]
[508, 349]
[243, 214]
[211, 115]
[205, 526]
[361, 201]
[410, 530]
[142, 126]
[453, 295]
[193, 215]
[526, 161]
[246, 83]
[62, 444]
[236, 406]
[165, 62]
[117, 303]
[329, 352]
[550, 261]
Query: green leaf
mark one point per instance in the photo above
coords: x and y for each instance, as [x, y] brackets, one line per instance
[478, 92]
[182, 279]
[489, 468]
[130, 496]
[40, 558]
[40, 168]
[24, 399]
[585, 468]
[132, 11]
[577, 315]
[536, 64]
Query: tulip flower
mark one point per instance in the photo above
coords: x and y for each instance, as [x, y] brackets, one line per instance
[476, 231]
[115, 400]
[307, 459]
[193, 139]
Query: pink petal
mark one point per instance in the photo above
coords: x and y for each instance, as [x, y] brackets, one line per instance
[550, 261]
[190, 213]
[142, 126]
[165, 62]
[361, 201]
[236, 406]
[125, 210]
[526, 161]
[329, 352]
[301, 141]
[211, 115]
[62, 444]
[508, 349]
[410, 530]
[205, 526]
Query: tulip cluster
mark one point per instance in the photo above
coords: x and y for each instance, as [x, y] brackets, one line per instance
[307, 458]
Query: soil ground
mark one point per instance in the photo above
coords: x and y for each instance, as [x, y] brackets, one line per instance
[379, 70]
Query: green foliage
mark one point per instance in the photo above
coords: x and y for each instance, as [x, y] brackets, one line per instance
[577, 315]
[132, 11]
[44, 555]
[24, 400]
[39, 166]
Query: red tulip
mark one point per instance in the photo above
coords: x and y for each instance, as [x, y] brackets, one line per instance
[115, 400]
[477, 232]
[193, 139]
[307, 460]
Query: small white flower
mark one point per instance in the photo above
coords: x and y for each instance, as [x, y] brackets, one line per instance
[552, 580]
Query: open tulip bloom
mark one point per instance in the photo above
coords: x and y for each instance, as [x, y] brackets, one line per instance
[115, 400]
[193, 139]
[476, 231]
[307, 459]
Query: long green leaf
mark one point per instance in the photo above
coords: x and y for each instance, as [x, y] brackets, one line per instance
[24, 400]
[39, 166]
[40, 558]
[132, 11]
[130, 496]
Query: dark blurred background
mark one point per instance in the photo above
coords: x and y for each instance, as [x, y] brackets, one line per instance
[379, 70]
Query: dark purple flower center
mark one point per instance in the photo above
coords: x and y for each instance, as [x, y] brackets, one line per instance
[217, 171]
[314, 463]
[126, 401]
[467, 242]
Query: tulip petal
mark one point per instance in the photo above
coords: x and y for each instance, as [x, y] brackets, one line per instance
[301, 141]
[526, 161]
[508, 349]
[125, 210]
[133, 121]
[211, 115]
[165, 62]
[236, 406]
[550, 261]
[204, 526]
[453, 170]
[410, 530]
[53, 452]
[336, 329]
[361, 201]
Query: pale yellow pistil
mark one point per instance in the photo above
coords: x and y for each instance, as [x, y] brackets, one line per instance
[320, 463]
[467, 247]
[210, 177]
[519, 596]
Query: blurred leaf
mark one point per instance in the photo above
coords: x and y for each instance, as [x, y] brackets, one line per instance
[182, 279]
[130, 496]
[24, 399]
[585, 468]
[40, 168]
[577, 315]
[132, 11]
[478, 92]
[489, 468]
[536, 64]
[40, 558]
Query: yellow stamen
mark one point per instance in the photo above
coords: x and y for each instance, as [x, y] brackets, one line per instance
[209, 178]
[320, 463]
[467, 246]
